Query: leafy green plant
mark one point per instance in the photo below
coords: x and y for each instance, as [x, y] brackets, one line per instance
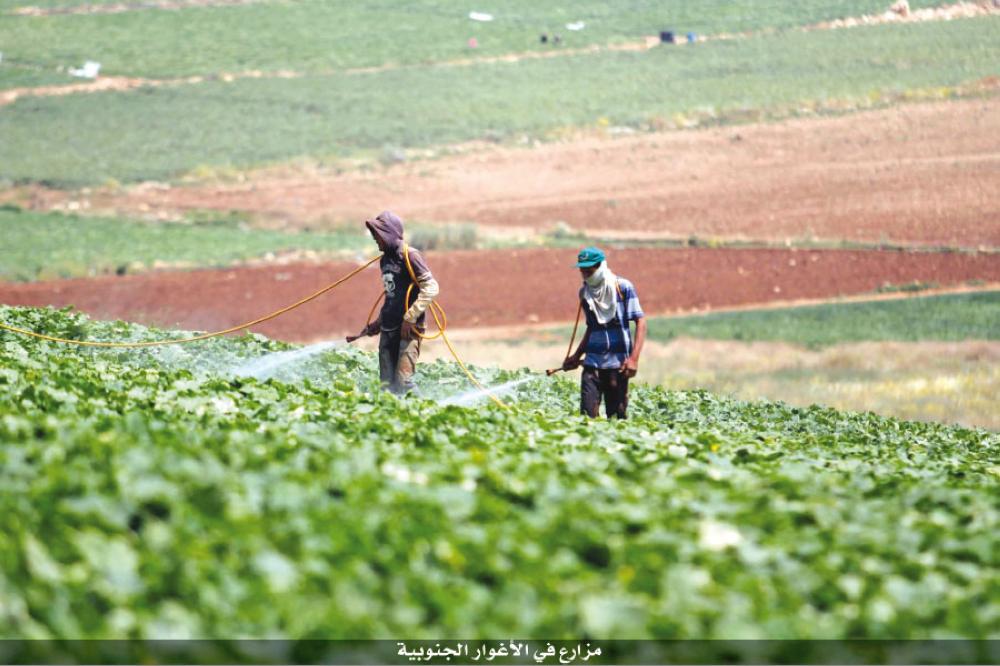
[158, 493]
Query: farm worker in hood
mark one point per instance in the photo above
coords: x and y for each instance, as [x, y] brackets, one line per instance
[607, 352]
[400, 323]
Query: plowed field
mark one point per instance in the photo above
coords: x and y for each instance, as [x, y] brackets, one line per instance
[498, 288]
[919, 173]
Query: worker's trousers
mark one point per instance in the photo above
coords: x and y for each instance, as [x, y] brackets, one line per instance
[611, 385]
[397, 361]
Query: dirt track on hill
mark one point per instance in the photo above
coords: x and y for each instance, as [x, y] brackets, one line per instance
[944, 13]
[497, 288]
[923, 173]
[120, 7]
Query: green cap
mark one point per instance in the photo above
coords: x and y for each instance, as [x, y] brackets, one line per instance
[589, 256]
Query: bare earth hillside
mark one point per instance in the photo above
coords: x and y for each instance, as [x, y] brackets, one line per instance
[924, 173]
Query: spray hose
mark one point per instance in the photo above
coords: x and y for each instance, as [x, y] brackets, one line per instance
[436, 311]
[205, 336]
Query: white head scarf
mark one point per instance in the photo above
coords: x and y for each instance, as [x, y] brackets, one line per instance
[601, 292]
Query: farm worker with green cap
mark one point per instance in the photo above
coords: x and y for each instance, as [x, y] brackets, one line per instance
[607, 352]
[400, 322]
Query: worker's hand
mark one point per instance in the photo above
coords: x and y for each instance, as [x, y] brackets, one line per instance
[570, 363]
[363, 333]
[406, 331]
[630, 367]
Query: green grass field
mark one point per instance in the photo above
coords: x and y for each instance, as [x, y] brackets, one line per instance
[163, 133]
[27, 77]
[12, 5]
[318, 35]
[39, 246]
[973, 316]
[36, 245]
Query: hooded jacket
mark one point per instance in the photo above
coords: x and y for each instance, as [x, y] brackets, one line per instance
[388, 228]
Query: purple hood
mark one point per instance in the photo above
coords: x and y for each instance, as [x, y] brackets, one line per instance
[389, 229]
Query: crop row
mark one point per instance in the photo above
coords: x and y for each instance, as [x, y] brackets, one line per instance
[163, 494]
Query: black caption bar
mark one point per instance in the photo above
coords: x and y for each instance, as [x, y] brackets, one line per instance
[530, 652]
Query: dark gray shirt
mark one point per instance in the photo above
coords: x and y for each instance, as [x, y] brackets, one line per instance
[396, 280]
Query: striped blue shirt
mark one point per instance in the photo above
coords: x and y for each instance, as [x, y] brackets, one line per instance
[610, 345]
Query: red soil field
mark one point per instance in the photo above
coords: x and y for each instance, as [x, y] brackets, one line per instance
[498, 288]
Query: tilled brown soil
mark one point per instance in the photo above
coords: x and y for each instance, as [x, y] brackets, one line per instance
[921, 173]
[498, 288]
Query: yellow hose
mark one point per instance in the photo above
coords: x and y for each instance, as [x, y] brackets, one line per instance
[205, 336]
[442, 324]
[440, 318]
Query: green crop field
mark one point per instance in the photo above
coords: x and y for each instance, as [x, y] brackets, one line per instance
[318, 35]
[36, 245]
[39, 246]
[946, 317]
[151, 490]
[163, 133]
[18, 77]
[243, 488]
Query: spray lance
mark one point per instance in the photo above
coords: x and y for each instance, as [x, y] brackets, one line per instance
[564, 368]
[569, 350]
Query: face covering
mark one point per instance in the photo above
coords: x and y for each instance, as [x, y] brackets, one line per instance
[601, 293]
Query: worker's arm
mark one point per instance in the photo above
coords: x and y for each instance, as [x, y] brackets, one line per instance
[574, 360]
[631, 365]
[428, 290]
[373, 328]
